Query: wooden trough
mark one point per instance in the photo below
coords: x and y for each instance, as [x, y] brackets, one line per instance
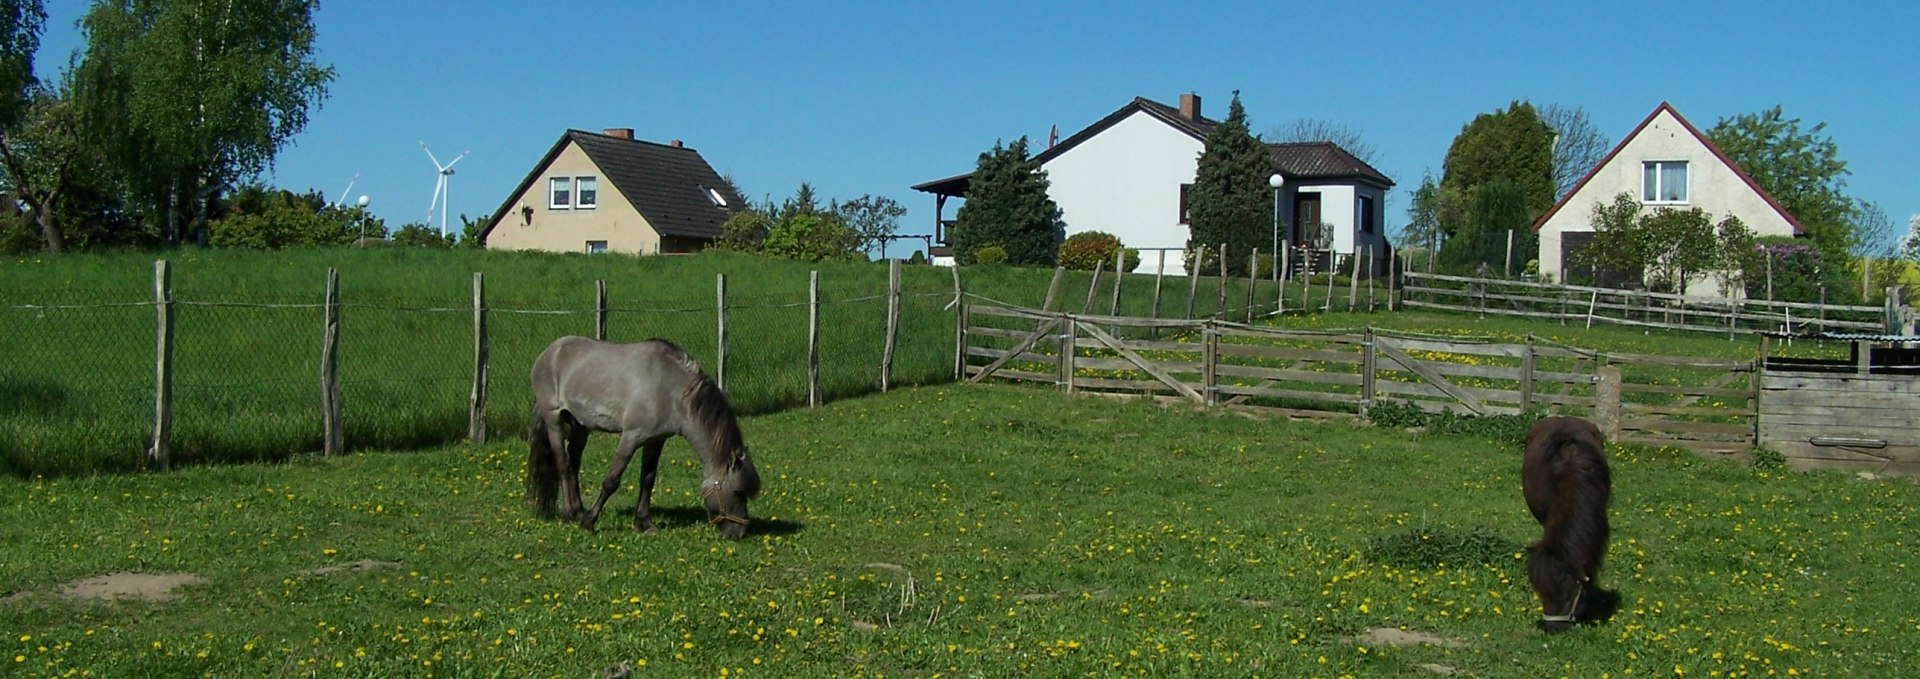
[1857, 414]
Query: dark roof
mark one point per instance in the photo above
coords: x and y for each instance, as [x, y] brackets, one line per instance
[667, 184]
[1323, 160]
[1717, 153]
[1305, 160]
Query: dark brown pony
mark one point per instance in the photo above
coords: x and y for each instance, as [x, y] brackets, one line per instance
[1565, 480]
[647, 392]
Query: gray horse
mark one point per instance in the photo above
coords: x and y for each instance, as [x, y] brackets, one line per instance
[646, 392]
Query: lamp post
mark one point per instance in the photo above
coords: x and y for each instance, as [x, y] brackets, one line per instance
[364, 200]
[1275, 180]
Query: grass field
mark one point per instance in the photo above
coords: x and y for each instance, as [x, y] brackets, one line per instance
[964, 531]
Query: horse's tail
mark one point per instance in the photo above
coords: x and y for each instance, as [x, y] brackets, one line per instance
[543, 472]
[1590, 489]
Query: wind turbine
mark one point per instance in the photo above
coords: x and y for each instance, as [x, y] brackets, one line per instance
[442, 188]
[341, 200]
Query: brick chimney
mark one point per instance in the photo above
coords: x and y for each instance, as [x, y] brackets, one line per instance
[618, 132]
[1190, 106]
[676, 144]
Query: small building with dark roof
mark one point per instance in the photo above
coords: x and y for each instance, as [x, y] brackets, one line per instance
[1128, 174]
[609, 192]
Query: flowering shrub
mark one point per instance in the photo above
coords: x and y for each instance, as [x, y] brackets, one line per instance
[992, 254]
[1795, 269]
[1086, 250]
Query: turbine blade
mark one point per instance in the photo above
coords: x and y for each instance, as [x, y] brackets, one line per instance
[456, 159]
[436, 161]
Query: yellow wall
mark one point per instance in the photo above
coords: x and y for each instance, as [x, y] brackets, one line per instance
[613, 220]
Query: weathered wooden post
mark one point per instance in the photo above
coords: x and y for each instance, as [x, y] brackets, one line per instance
[332, 430]
[1280, 298]
[1353, 284]
[893, 323]
[1066, 352]
[1210, 361]
[813, 337]
[1053, 287]
[1606, 401]
[477, 399]
[1367, 366]
[163, 364]
[1158, 274]
[1253, 280]
[1093, 287]
[720, 315]
[1119, 276]
[600, 310]
[1220, 308]
[959, 329]
[1526, 376]
[1193, 278]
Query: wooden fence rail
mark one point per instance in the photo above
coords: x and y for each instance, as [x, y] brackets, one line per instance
[1703, 404]
[1566, 304]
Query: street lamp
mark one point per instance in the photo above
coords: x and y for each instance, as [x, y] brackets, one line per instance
[362, 216]
[1275, 181]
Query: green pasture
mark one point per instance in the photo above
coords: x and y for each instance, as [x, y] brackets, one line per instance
[962, 531]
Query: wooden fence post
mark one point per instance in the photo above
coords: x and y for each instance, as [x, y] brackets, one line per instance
[813, 337]
[600, 310]
[1066, 352]
[332, 431]
[1353, 284]
[1526, 376]
[1367, 366]
[162, 365]
[1606, 401]
[1210, 361]
[1220, 309]
[1372, 264]
[1053, 287]
[1253, 280]
[1393, 278]
[477, 409]
[1119, 276]
[893, 323]
[1333, 264]
[959, 329]
[1093, 287]
[1193, 278]
[1158, 274]
[1280, 298]
[720, 314]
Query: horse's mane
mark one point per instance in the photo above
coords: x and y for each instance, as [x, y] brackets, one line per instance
[710, 410]
[1576, 529]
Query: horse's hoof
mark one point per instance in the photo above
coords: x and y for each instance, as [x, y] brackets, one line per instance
[645, 527]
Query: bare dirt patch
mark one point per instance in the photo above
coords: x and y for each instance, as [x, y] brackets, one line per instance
[353, 567]
[1389, 636]
[130, 586]
[1442, 670]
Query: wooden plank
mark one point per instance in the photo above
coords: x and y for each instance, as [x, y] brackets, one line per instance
[1096, 384]
[1229, 329]
[1143, 363]
[1495, 372]
[1635, 388]
[1024, 356]
[1016, 375]
[1289, 353]
[959, 328]
[1012, 312]
[1845, 383]
[1739, 429]
[1423, 389]
[1284, 375]
[1024, 344]
[1397, 356]
[1296, 394]
[893, 323]
[1701, 411]
[1446, 347]
[1841, 422]
[1696, 446]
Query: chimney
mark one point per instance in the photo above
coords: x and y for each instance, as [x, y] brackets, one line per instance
[676, 144]
[1190, 106]
[619, 132]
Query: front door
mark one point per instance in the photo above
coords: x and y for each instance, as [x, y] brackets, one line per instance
[1306, 219]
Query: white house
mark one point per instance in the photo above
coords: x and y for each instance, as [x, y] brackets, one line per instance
[1667, 163]
[1128, 175]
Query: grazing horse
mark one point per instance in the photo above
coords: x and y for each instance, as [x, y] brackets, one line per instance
[1565, 480]
[646, 392]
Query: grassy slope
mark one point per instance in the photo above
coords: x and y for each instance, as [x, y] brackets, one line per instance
[961, 531]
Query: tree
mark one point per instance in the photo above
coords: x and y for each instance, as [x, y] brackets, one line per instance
[1316, 129]
[20, 24]
[191, 96]
[1511, 144]
[873, 218]
[1497, 209]
[1578, 146]
[1800, 168]
[1230, 202]
[1007, 206]
[812, 236]
[1910, 244]
[745, 230]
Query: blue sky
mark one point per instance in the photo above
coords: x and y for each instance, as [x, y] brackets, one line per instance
[873, 97]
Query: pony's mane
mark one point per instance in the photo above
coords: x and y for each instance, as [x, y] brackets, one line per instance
[1573, 459]
[707, 405]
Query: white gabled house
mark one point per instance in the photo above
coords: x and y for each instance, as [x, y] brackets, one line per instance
[1667, 163]
[1128, 174]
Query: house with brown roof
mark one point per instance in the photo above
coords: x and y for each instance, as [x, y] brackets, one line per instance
[609, 192]
[1665, 162]
[1128, 174]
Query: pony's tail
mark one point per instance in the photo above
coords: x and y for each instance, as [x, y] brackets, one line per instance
[543, 473]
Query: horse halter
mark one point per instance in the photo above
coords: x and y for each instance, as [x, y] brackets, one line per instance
[706, 492]
[1573, 609]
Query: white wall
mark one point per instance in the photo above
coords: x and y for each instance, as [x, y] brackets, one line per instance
[1126, 181]
[1711, 186]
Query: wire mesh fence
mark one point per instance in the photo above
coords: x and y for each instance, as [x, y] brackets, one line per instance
[78, 384]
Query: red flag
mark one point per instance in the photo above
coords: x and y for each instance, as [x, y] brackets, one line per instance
[1053, 136]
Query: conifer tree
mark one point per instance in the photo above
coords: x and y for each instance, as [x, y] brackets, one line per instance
[1230, 201]
[1007, 205]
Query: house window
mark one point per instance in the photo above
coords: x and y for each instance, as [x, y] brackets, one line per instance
[1364, 210]
[595, 247]
[714, 195]
[589, 190]
[1663, 181]
[560, 193]
[1184, 188]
